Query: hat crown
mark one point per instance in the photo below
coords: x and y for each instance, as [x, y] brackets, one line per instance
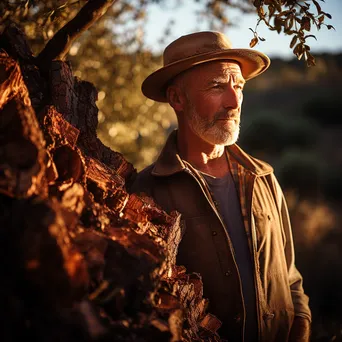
[195, 44]
[197, 48]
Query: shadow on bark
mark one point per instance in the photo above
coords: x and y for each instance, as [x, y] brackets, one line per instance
[82, 260]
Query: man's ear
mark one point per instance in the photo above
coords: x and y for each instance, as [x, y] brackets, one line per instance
[176, 98]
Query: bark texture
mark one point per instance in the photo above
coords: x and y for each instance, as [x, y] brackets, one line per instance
[82, 260]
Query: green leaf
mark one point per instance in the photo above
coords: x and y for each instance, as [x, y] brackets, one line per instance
[310, 36]
[319, 10]
[293, 41]
[253, 42]
[310, 60]
[257, 3]
[306, 24]
[271, 10]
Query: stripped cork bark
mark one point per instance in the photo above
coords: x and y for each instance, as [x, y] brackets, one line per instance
[81, 258]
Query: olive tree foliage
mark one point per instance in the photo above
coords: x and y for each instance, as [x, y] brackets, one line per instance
[104, 41]
[108, 54]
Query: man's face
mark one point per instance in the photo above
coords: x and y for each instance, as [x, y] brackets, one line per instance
[213, 93]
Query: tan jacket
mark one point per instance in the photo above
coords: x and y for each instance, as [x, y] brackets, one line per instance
[206, 248]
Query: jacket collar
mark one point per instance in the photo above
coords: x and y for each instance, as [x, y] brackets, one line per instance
[169, 161]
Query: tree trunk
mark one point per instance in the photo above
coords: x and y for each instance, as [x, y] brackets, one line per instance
[82, 260]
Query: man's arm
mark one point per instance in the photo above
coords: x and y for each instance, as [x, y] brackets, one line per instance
[300, 330]
[299, 298]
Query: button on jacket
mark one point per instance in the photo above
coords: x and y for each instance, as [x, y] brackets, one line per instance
[206, 248]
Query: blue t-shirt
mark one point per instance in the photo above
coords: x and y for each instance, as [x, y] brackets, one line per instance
[225, 194]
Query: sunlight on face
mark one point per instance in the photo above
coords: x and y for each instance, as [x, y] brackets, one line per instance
[214, 98]
[215, 131]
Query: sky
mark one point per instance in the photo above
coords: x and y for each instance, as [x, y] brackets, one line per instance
[276, 45]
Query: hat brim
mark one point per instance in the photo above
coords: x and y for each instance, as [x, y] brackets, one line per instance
[252, 64]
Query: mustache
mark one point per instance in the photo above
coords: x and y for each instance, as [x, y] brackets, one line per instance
[225, 115]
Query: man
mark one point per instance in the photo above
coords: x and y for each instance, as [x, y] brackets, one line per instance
[237, 230]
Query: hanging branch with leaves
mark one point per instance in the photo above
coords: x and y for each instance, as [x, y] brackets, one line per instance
[294, 18]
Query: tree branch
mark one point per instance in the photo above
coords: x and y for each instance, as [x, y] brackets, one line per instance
[59, 45]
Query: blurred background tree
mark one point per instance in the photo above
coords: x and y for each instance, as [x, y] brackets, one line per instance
[111, 55]
[291, 115]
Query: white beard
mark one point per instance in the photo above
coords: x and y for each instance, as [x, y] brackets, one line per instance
[213, 132]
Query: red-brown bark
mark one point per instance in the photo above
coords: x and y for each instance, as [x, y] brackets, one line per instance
[82, 259]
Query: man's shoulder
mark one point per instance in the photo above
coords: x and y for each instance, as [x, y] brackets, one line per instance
[146, 172]
[143, 180]
[256, 165]
[261, 164]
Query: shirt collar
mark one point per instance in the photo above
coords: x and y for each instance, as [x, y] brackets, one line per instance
[169, 161]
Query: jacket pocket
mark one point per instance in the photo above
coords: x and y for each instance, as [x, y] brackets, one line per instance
[277, 325]
[263, 222]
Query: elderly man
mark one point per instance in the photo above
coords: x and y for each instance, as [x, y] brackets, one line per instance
[237, 230]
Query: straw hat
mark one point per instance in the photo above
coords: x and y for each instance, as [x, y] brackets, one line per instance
[196, 48]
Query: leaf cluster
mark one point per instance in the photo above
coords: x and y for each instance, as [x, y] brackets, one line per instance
[112, 56]
[292, 17]
[42, 19]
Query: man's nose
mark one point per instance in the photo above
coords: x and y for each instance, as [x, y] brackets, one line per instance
[232, 98]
